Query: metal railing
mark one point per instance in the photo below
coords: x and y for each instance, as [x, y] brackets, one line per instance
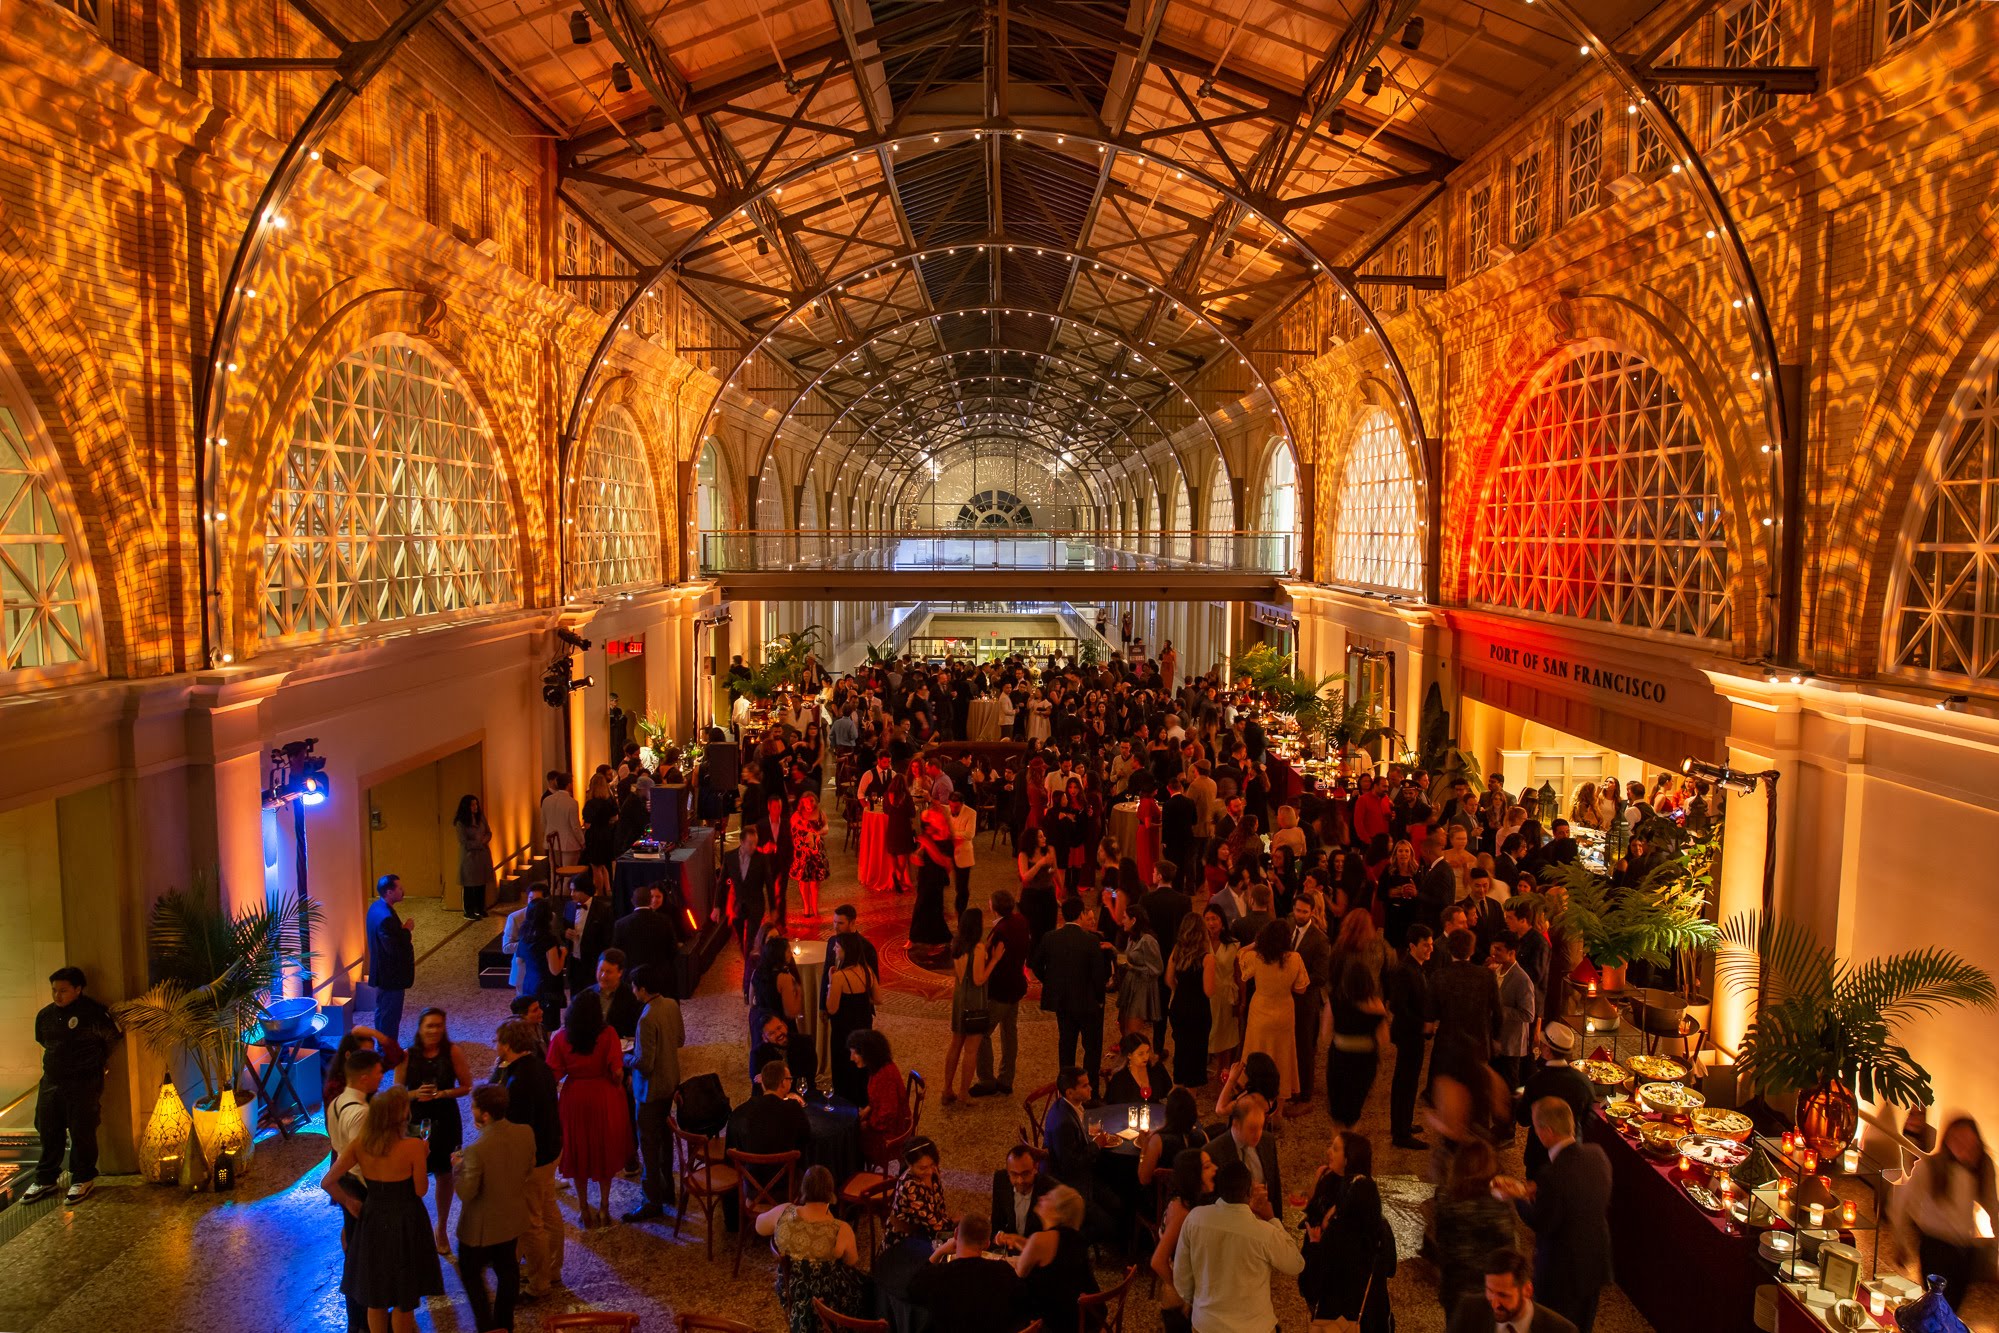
[973, 549]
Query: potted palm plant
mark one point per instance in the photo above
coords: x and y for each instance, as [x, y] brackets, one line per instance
[214, 973]
[1654, 920]
[1349, 720]
[1825, 1027]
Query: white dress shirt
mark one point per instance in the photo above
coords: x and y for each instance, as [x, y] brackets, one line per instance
[1224, 1264]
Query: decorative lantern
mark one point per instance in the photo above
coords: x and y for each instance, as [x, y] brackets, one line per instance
[165, 1139]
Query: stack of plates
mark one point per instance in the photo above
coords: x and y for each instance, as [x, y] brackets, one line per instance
[1777, 1246]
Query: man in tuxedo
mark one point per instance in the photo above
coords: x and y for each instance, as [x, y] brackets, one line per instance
[1316, 952]
[1508, 1305]
[532, 1101]
[1468, 1008]
[1439, 886]
[1065, 1133]
[1482, 912]
[1251, 923]
[1569, 1210]
[1016, 1190]
[1411, 1019]
[1178, 818]
[647, 936]
[772, 1121]
[963, 1291]
[1247, 1143]
[746, 879]
[1074, 970]
[589, 932]
[1165, 906]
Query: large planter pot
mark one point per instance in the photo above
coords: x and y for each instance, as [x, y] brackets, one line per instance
[1610, 977]
[1828, 1115]
[231, 1128]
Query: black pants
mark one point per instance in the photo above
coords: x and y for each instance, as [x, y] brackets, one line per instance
[961, 885]
[1349, 1075]
[350, 1230]
[1578, 1307]
[1952, 1263]
[488, 1312]
[1402, 1088]
[475, 899]
[656, 1151]
[1090, 1028]
[66, 1116]
[1305, 1029]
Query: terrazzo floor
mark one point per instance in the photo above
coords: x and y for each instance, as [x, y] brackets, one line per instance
[268, 1258]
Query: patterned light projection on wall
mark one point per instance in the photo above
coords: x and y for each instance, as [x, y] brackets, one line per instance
[1946, 612]
[1376, 520]
[1599, 505]
[388, 502]
[616, 510]
[44, 630]
[1052, 496]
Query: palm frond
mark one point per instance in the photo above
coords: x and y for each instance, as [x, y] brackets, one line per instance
[1782, 959]
[1919, 982]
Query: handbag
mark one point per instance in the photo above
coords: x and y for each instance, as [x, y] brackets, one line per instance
[975, 1019]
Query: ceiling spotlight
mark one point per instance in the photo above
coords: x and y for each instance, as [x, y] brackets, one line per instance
[655, 121]
[579, 27]
[621, 77]
[1228, 248]
[1412, 33]
[763, 246]
[790, 83]
[1206, 90]
[1370, 82]
[1729, 779]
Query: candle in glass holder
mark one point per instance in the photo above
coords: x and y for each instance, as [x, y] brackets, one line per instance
[1877, 1303]
[1130, 1118]
[1784, 1190]
[1592, 988]
[1811, 1161]
[1145, 1119]
[1849, 1160]
[1848, 1213]
[1816, 1213]
[1685, 1165]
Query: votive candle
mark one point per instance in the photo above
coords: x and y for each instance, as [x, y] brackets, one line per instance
[1685, 1165]
[1592, 988]
[1784, 1190]
[1848, 1213]
[1811, 1161]
[1849, 1160]
[1816, 1212]
[1877, 1303]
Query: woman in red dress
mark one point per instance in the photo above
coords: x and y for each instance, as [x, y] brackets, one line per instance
[885, 1120]
[596, 1125]
[1146, 850]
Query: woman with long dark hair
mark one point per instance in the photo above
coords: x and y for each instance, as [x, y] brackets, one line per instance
[596, 1124]
[1035, 862]
[1193, 1184]
[1190, 980]
[852, 991]
[1349, 1251]
[543, 956]
[436, 1076]
[1940, 1205]
[972, 962]
[475, 854]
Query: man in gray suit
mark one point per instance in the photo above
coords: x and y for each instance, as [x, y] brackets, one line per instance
[655, 1066]
[492, 1175]
[1518, 1000]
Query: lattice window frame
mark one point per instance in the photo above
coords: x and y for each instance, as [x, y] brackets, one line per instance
[1603, 504]
[339, 560]
[1431, 248]
[615, 508]
[1524, 223]
[1478, 228]
[1748, 33]
[1904, 19]
[1378, 513]
[1943, 605]
[1582, 162]
[49, 629]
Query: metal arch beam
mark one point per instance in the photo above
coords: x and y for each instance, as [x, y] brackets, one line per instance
[1124, 143]
[898, 465]
[905, 435]
[942, 415]
[913, 320]
[835, 287]
[357, 65]
[903, 476]
[1781, 415]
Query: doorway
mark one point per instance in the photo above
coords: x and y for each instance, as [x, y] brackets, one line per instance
[410, 833]
[625, 682]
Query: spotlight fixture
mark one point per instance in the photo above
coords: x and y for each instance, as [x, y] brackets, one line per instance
[1228, 248]
[558, 682]
[1412, 33]
[763, 246]
[1956, 703]
[655, 121]
[791, 83]
[297, 775]
[1205, 91]
[579, 28]
[621, 77]
[571, 637]
[1370, 82]
[1728, 779]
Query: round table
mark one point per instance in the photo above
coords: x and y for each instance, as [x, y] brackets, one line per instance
[1117, 1166]
[836, 1136]
[1124, 826]
[809, 957]
[982, 720]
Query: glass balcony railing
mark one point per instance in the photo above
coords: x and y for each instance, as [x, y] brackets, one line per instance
[972, 550]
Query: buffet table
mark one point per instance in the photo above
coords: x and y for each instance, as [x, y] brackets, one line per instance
[1680, 1266]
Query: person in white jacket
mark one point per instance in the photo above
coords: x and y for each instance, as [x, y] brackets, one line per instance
[1229, 1252]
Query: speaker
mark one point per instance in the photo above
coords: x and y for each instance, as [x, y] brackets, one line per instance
[721, 766]
[669, 812]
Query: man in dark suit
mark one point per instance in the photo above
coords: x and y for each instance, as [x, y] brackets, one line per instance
[391, 955]
[1065, 1133]
[746, 883]
[1015, 1192]
[1177, 818]
[1482, 912]
[773, 1120]
[1247, 1143]
[1468, 1009]
[1508, 1305]
[1412, 1018]
[589, 932]
[647, 936]
[1569, 1210]
[1439, 886]
[1074, 970]
[1316, 952]
[615, 1000]
[531, 1101]
[1165, 906]
[963, 1291]
[1008, 945]
[1251, 923]
[1528, 942]
[1556, 1078]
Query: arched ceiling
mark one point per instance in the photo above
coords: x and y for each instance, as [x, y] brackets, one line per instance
[1037, 220]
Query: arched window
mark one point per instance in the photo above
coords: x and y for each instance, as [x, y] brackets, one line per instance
[389, 502]
[1945, 599]
[46, 629]
[1277, 517]
[1179, 527]
[770, 499]
[709, 508]
[616, 509]
[1376, 522]
[1221, 515]
[1600, 505]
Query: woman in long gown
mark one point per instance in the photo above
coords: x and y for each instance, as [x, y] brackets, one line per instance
[1190, 973]
[596, 1122]
[1145, 843]
[391, 1264]
[932, 871]
[1038, 712]
[824, 1262]
[1276, 973]
[851, 996]
[872, 792]
[899, 836]
[1036, 864]
[1225, 1030]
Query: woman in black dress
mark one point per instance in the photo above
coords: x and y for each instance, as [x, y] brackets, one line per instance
[899, 836]
[932, 871]
[851, 992]
[1065, 834]
[1035, 862]
[390, 1264]
[437, 1076]
[1354, 1054]
[600, 832]
[1190, 976]
[1349, 1251]
[1054, 1266]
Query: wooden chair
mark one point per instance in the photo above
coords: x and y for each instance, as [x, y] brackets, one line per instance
[594, 1321]
[702, 1178]
[1036, 1105]
[1107, 1307]
[851, 812]
[867, 1197]
[763, 1181]
[832, 1321]
[914, 1090]
[1148, 1221]
[710, 1323]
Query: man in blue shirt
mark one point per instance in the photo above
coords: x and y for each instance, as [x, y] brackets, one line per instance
[391, 955]
[844, 733]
